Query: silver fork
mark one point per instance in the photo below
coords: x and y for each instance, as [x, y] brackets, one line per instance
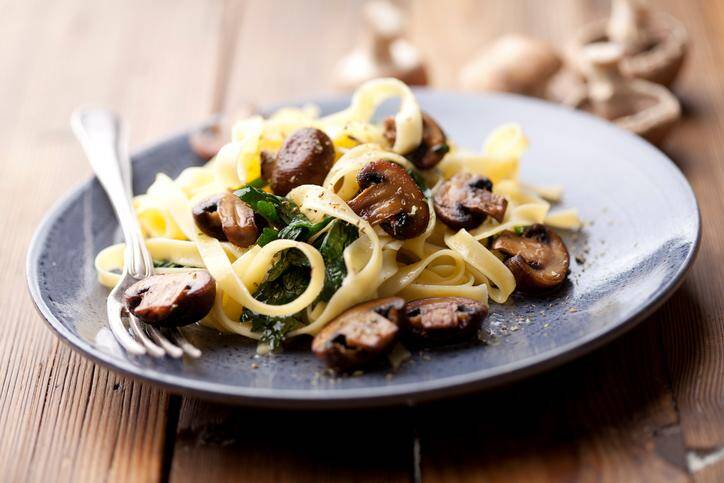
[103, 137]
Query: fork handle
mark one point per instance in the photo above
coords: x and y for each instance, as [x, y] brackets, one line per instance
[102, 135]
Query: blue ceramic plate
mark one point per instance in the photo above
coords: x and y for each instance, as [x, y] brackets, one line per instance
[642, 234]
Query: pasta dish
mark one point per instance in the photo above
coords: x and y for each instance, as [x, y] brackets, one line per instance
[357, 233]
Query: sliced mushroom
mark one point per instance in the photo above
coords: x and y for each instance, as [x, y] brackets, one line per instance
[512, 63]
[432, 148]
[237, 221]
[305, 158]
[206, 216]
[383, 52]
[642, 107]
[226, 218]
[443, 319]
[390, 197]
[538, 258]
[466, 199]
[654, 43]
[360, 335]
[172, 299]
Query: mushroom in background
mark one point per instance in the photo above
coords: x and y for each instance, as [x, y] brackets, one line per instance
[210, 138]
[383, 52]
[512, 63]
[645, 108]
[654, 43]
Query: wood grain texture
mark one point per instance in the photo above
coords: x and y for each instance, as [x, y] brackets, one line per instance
[648, 407]
[62, 417]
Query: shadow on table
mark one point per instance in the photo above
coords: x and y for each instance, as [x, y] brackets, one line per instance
[616, 400]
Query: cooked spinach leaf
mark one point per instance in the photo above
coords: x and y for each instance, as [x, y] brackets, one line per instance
[282, 214]
[332, 246]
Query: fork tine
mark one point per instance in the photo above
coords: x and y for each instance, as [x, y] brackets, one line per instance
[152, 348]
[190, 349]
[119, 329]
[160, 339]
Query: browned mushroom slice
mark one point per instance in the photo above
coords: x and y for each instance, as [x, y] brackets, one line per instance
[443, 319]
[538, 258]
[172, 299]
[206, 216]
[466, 199]
[432, 148]
[305, 158]
[237, 221]
[391, 198]
[360, 335]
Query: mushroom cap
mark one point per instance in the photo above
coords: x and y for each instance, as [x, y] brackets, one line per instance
[390, 197]
[660, 64]
[512, 63]
[538, 258]
[360, 334]
[433, 145]
[172, 299]
[466, 199]
[305, 158]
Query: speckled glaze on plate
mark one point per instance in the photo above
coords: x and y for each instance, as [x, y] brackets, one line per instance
[642, 235]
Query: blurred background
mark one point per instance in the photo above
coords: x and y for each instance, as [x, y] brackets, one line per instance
[646, 408]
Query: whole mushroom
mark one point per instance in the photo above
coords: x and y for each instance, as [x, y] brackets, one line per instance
[512, 63]
[466, 199]
[538, 258]
[383, 51]
[645, 108]
[359, 335]
[391, 198]
[654, 43]
[305, 157]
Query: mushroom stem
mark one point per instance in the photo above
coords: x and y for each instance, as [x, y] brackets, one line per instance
[383, 51]
[627, 25]
[608, 91]
[645, 108]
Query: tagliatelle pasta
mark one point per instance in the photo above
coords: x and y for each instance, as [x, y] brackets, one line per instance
[437, 262]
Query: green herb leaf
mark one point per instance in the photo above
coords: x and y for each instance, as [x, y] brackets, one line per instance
[267, 235]
[519, 230]
[332, 247]
[257, 183]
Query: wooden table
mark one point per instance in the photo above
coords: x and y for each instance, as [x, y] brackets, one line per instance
[647, 407]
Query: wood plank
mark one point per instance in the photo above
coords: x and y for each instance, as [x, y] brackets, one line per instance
[608, 417]
[63, 418]
[223, 443]
[694, 329]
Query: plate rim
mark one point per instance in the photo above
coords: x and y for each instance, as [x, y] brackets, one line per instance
[407, 393]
